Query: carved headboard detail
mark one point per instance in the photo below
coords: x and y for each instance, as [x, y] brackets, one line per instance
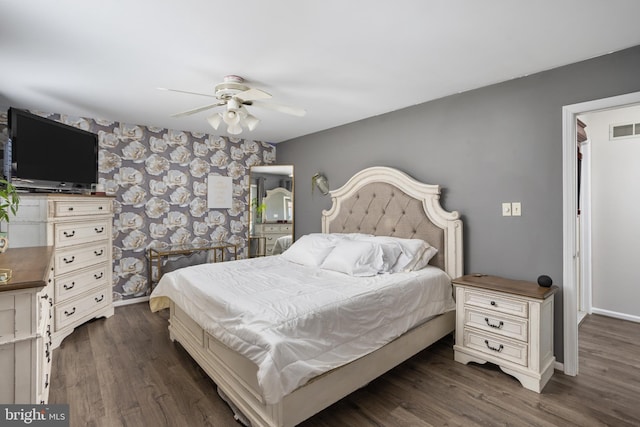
[387, 202]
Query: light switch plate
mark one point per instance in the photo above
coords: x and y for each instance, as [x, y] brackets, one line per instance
[516, 209]
[506, 209]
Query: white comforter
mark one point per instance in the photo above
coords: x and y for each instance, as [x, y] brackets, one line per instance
[296, 322]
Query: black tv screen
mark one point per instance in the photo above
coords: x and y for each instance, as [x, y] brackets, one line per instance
[49, 155]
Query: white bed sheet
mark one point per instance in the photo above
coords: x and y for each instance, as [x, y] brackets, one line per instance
[296, 322]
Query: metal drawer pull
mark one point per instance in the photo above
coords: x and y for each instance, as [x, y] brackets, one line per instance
[69, 261]
[67, 313]
[99, 299]
[67, 287]
[46, 382]
[493, 303]
[498, 349]
[98, 276]
[99, 253]
[45, 296]
[71, 208]
[73, 233]
[498, 326]
[99, 208]
[99, 230]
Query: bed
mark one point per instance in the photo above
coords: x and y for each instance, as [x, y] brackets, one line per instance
[377, 201]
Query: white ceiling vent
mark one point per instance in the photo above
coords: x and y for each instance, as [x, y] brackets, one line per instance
[625, 130]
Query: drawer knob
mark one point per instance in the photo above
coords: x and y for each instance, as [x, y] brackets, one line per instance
[493, 303]
[71, 234]
[99, 299]
[99, 253]
[496, 349]
[69, 313]
[69, 261]
[70, 208]
[98, 276]
[497, 326]
[99, 208]
[67, 287]
[99, 230]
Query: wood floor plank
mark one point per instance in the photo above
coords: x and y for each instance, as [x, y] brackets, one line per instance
[124, 371]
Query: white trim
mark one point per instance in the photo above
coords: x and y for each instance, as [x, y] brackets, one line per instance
[130, 301]
[614, 314]
[569, 274]
[585, 302]
[558, 366]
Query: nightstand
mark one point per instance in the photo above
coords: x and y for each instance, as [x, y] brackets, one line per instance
[508, 323]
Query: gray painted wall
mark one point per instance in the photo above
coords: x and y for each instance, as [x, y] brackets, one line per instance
[500, 143]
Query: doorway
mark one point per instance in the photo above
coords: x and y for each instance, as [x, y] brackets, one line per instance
[571, 253]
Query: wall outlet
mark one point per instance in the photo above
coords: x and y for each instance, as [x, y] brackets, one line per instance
[506, 209]
[516, 209]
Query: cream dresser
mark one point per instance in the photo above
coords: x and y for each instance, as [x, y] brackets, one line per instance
[271, 231]
[508, 323]
[79, 229]
[26, 309]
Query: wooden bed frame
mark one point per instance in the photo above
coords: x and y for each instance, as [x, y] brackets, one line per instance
[377, 200]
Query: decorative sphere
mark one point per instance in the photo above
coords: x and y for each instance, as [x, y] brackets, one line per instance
[545, 281]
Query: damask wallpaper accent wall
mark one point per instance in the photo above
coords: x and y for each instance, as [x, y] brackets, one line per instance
[159, 180]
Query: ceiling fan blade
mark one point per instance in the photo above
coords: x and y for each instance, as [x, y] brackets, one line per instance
[295, 111]
[187, 92]
[252, 95]
[197, 110]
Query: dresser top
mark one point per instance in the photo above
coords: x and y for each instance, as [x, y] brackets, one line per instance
[29, 266]
[500, 284]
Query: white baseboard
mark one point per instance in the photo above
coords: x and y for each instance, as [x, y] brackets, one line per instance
[558, 366]
[130, 301]
[616, 315]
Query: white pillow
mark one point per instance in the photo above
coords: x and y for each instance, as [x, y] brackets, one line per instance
[422, 261]
[415, 253]
[356, 258]
[310, 249]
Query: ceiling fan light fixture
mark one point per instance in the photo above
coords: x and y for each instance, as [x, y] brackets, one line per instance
[251, 121]
[234, 129]
[215, 120]
[231, 117]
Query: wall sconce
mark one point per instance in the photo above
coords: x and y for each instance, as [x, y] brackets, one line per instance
[320, 181]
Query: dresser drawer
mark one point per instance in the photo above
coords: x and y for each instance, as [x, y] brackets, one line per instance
[67, 234]
[497, 347]
[75, 310]
[490, 321]
[73, 284]
[66, 208]
[74, 258]
[277, 228]
[496, 303]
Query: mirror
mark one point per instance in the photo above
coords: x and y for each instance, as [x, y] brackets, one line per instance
[270, 209]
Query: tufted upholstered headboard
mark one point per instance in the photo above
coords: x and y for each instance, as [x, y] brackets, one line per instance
[386, 202]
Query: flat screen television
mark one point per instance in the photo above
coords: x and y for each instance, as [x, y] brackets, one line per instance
[44, 155]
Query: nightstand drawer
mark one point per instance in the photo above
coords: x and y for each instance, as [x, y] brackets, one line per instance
[496, 323]
[496, 347]
[497, 303]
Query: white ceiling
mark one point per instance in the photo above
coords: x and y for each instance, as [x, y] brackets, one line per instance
[340, 60]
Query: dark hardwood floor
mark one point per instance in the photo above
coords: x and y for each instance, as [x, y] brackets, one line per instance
[124, 371]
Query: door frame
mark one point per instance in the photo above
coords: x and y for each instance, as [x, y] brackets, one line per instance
[569, 223]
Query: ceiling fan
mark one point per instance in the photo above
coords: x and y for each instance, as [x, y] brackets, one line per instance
[234, 94]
